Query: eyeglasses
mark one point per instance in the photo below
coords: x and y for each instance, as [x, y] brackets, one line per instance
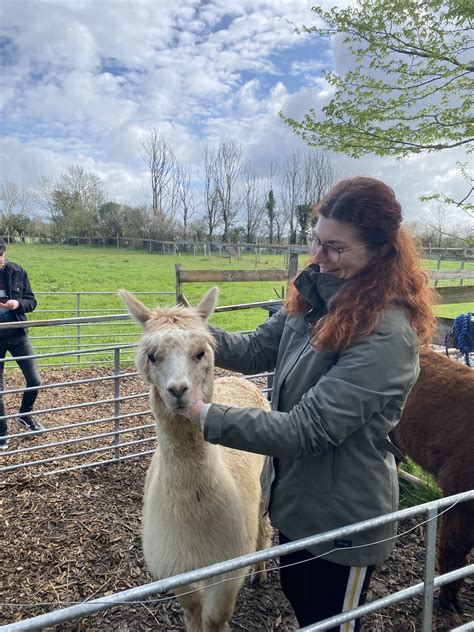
[332, 253]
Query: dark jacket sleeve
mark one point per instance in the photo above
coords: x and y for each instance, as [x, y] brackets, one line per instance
[366, 379]
[252, 353]
[27, 299]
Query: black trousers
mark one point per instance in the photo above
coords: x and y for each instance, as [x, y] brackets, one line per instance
[17, 345]
[318, 589]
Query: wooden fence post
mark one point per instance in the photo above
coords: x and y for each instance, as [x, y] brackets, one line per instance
[292, 265]
[438, 265]
[179, 289]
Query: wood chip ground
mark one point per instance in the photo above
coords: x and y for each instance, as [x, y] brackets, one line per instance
[75, 536]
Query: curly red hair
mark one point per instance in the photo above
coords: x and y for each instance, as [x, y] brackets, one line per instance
[392, 277]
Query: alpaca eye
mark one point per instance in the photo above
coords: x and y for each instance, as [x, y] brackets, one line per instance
[200, 355]
[151, 357]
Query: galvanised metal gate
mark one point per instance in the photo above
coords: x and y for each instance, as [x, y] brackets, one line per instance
[429, 510]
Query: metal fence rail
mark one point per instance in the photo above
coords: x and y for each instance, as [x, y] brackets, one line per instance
[142, 592]
[111, 428]
[78, 332]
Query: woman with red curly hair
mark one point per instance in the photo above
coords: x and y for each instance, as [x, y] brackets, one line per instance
[345, 354]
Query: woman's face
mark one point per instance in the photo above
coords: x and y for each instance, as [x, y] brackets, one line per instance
[331, 235]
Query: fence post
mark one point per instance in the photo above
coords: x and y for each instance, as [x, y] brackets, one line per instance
[430, 544]
[461, 280]
[179, 289]
[292, 265]
[438, 265]
[78, 334]
[116, 403]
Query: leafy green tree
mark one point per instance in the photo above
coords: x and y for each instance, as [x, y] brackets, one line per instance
[303, 216]
[270, 208]
[111, 216]
[411, 87]
[136, 220]
[73, 201]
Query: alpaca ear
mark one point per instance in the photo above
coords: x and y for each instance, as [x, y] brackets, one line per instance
[136, 309]
[207, 304]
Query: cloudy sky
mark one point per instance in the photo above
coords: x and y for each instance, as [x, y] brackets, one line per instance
[84, 81]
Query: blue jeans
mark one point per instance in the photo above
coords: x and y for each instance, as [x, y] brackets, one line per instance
[18, 344]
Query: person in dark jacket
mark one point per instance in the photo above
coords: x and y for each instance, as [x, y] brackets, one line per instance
[16, 299]
[345, 354]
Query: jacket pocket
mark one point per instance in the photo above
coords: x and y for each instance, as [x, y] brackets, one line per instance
[320, 473]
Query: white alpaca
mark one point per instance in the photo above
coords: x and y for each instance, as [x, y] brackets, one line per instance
[202, 501]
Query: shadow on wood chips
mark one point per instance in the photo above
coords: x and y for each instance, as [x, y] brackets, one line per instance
[75, 536]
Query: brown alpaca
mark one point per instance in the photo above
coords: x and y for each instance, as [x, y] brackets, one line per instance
[437, 432]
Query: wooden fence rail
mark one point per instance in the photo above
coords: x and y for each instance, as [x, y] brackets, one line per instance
[456, 294]
[447, 295]
[229, 276]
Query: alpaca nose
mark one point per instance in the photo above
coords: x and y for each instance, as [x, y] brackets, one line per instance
[178, 390]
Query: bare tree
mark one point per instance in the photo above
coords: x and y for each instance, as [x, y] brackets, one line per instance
[228, 164]
[306, 177]
[318, 177]
[46, 198]
[184, 194]
[13, 198]
[15, 205]
[252, 203]
[161, 162]
[291, 191]
[280, 226]
[85, 185]
[222, 170]
[440, 217]
[211, 196]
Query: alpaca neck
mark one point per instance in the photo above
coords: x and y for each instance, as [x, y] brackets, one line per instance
[180, 441]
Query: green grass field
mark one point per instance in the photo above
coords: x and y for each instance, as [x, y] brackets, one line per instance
[55, 269]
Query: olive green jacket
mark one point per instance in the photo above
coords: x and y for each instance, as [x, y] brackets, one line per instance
[330, 419]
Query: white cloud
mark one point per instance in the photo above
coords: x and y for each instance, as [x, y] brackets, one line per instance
[83, 82]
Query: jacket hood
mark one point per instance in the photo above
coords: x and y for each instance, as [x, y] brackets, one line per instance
[318, 288]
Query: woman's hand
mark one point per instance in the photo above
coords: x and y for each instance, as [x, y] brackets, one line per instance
[194, 411]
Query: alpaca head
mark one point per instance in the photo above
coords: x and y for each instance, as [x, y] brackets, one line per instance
[175, 352]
